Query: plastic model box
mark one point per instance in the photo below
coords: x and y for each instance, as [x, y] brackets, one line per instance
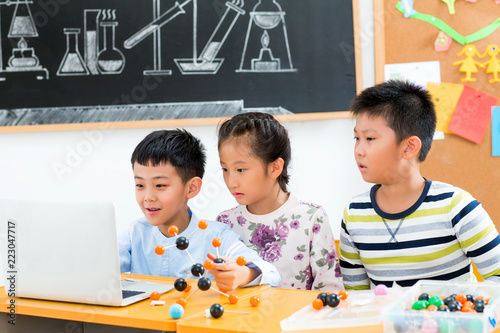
[399, 317]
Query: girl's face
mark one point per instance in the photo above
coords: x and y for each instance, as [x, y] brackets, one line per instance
[246, 176]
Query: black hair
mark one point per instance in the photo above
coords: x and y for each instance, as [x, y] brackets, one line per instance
[406, 107]
[178, 148]
[267, 138]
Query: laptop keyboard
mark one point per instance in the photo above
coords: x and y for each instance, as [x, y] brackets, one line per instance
[130, 293]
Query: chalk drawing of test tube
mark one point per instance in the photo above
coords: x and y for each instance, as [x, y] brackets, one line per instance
[154, 28]
[206, 62]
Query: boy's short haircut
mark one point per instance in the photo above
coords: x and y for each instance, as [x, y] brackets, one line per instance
[406, 107]
[178, 148]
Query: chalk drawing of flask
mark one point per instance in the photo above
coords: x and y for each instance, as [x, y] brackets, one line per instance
[72, 63]
[110, 60]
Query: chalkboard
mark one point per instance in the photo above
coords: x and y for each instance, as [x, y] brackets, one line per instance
[65, 61]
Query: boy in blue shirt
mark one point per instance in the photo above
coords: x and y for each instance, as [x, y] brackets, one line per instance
[408, 228]
[168, 168]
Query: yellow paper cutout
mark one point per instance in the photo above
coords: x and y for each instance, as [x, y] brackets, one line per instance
[468, 64]
[493, 63]
[445, 97]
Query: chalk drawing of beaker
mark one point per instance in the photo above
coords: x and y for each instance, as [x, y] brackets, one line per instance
[72, 63]
[22, 22]
[110, 60]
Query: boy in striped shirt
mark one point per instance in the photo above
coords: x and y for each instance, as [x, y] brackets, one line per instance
[408, 228]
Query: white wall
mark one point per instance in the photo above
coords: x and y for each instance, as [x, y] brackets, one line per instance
[96, 164]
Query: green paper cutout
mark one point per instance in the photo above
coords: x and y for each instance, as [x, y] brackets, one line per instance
[478, 35]
[451, 6]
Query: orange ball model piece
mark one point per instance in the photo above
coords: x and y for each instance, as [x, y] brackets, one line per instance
[254, 301]
[202, 224]
[173, 230]
[159, 250]
[241, 261]
[233, 299]
[154, 296]
[216, 242]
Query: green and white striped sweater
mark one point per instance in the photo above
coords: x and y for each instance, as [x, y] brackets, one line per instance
[436, 238]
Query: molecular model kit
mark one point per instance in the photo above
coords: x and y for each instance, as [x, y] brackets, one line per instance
[197, 270]
[342, 309]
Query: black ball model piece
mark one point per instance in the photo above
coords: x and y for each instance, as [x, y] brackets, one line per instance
[219, 261]
[204, 284]
[454, 306]
[182, 243]
[423, 297]
[323, 297]
[197, 270]
[216, 310]
[180, 284]
[479, 305]
[333, 300]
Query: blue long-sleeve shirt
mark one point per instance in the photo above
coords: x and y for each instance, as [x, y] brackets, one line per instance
[138, 242]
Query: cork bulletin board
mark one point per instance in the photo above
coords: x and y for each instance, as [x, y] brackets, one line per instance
[398, 39]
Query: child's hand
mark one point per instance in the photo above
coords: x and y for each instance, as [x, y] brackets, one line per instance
[229, 275]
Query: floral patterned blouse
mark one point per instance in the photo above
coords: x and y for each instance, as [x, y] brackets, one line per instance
[297, 238]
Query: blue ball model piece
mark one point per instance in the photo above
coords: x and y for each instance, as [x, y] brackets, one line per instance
[176, 311]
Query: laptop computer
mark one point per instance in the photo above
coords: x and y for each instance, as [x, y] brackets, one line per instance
[66, 251]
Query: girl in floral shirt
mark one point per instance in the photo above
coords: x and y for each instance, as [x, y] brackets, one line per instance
[295, 236]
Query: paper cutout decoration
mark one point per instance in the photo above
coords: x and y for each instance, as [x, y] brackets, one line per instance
[408, 8]
[468, 64]
[438, 135]
[451, 6]
[445, 97]
[472, 114]
[493, 63]
[474, 37]
[419, 72]
[443, 42]
[495, 130]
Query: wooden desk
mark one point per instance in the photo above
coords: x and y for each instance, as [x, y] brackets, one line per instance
[276, 304]
[139, 315]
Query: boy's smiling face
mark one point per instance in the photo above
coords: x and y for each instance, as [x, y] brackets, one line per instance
[162, 196]
[377, 154]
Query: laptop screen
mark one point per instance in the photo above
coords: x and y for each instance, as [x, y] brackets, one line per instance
[61, 250]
